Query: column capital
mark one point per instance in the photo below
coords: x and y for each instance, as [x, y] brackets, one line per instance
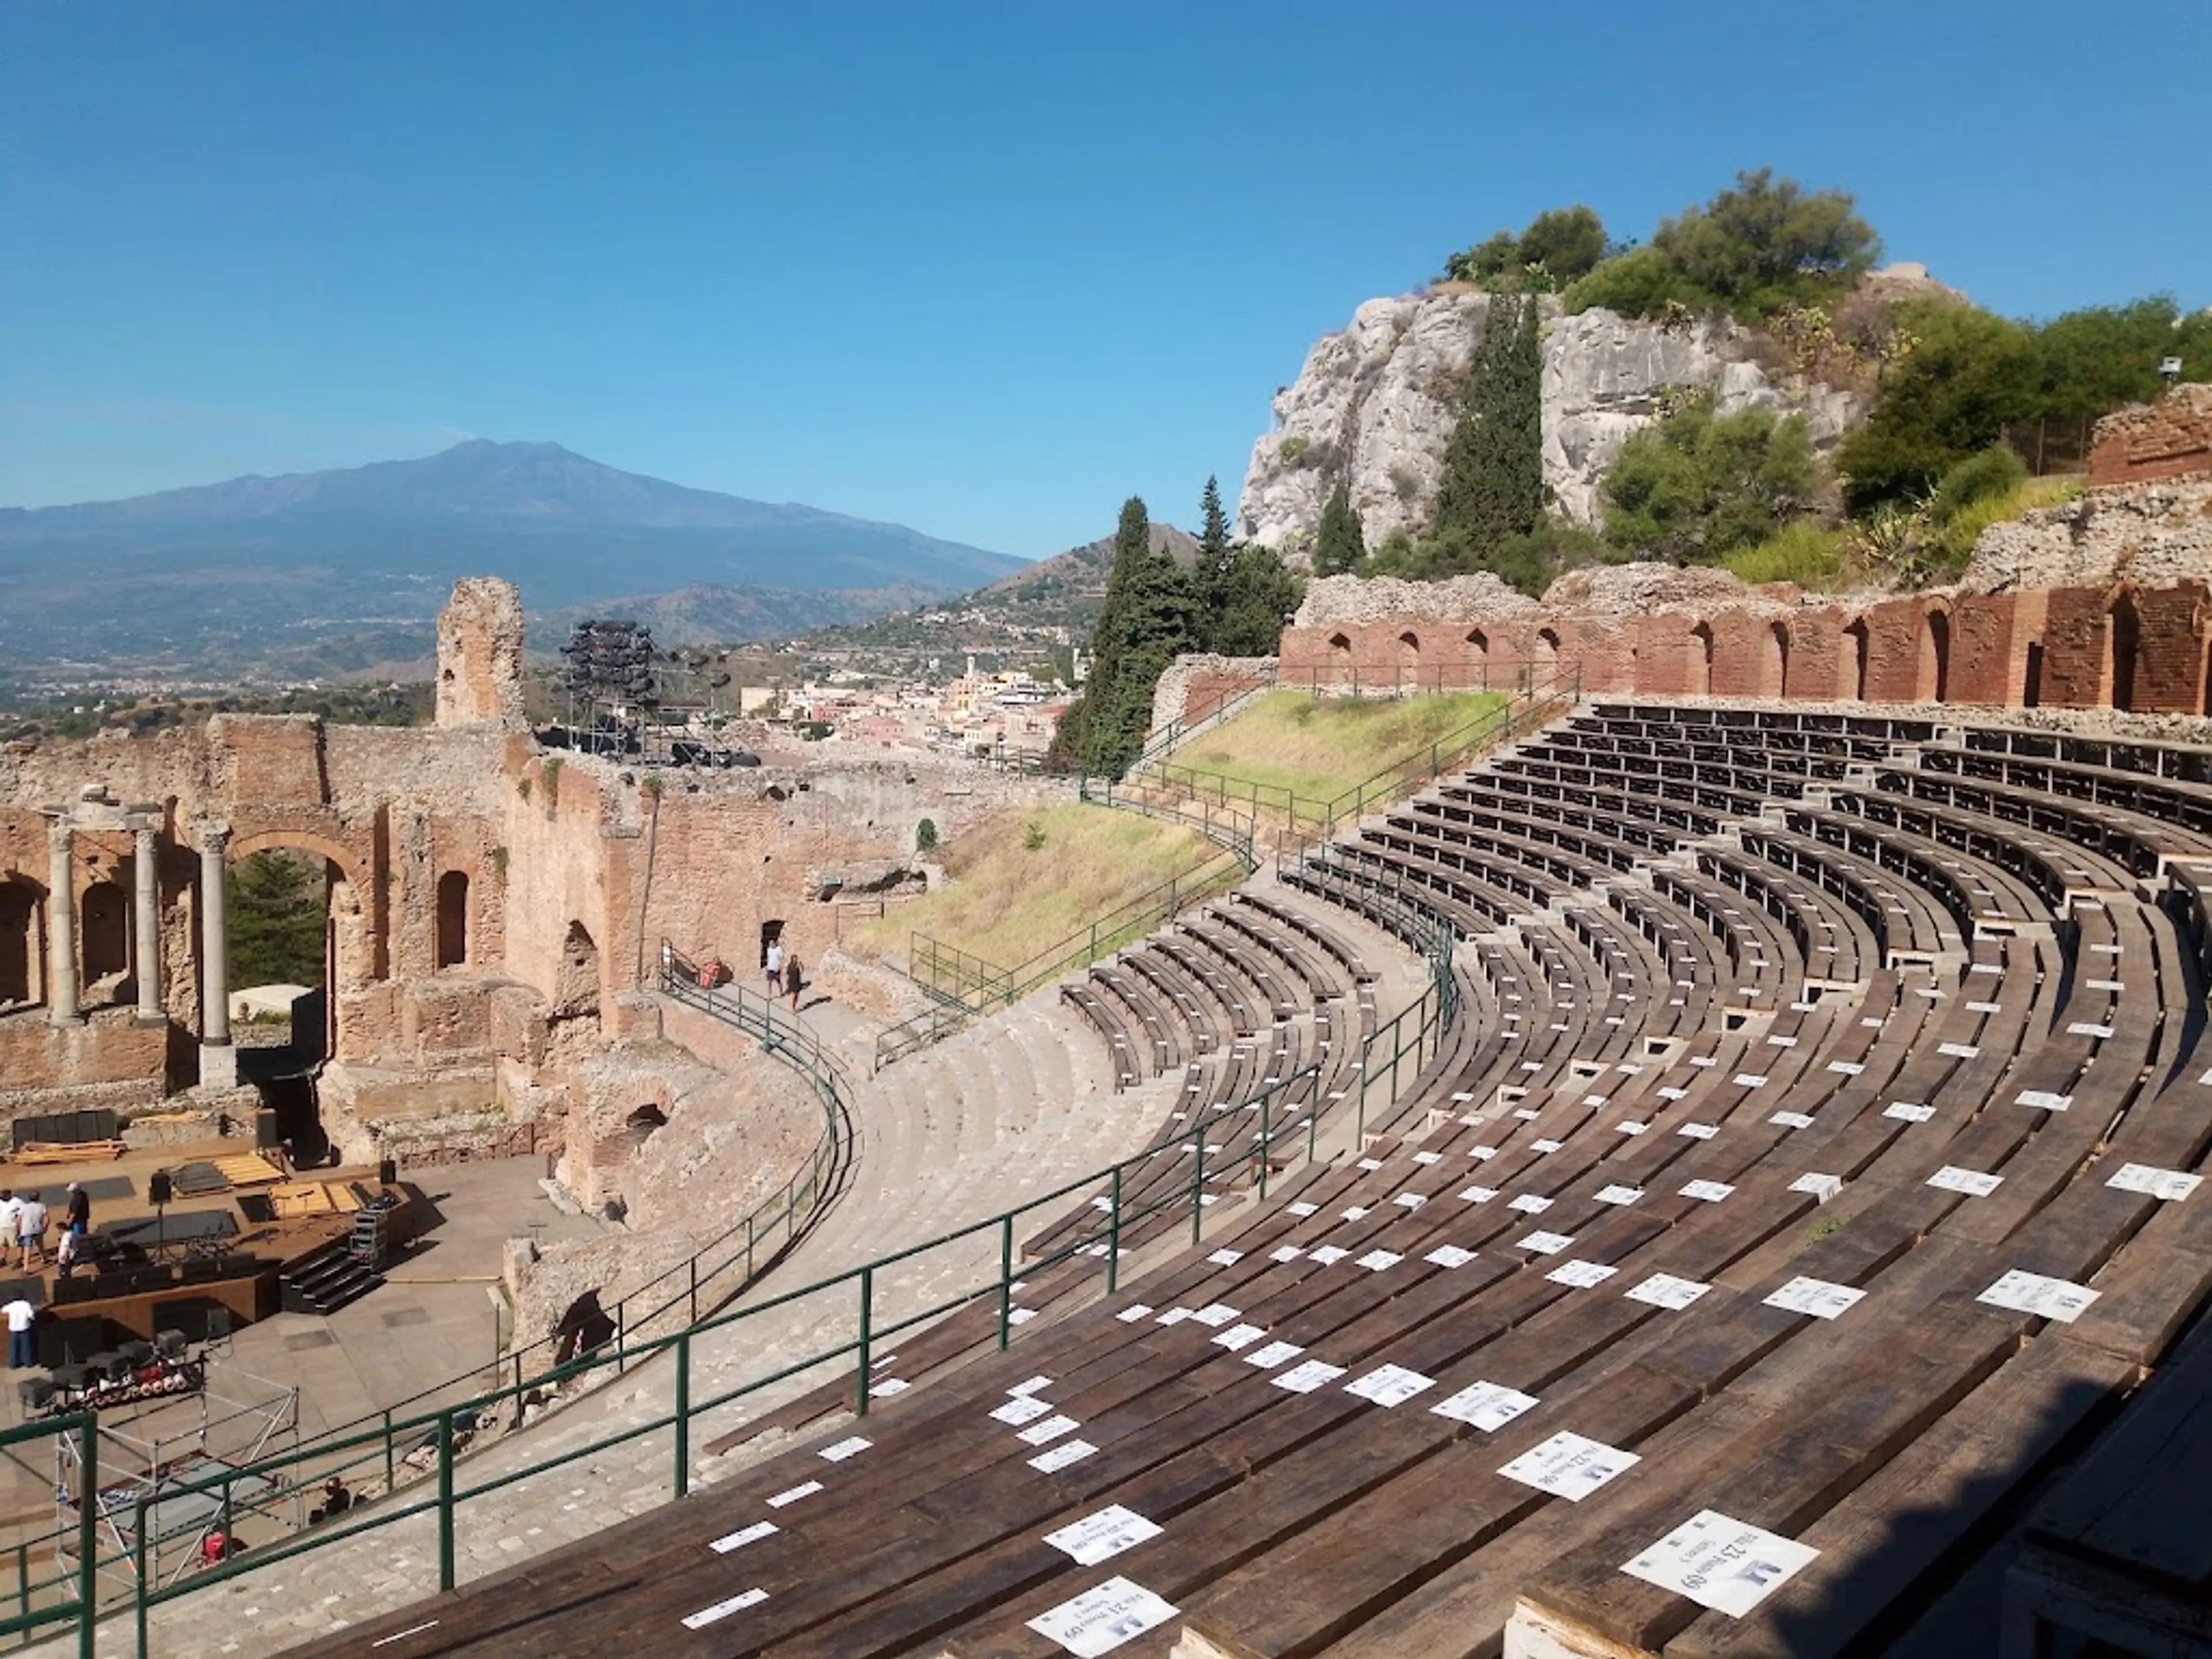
[58, 831]
[211, 835]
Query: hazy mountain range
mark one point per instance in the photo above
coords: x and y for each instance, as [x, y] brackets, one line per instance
[322, 572]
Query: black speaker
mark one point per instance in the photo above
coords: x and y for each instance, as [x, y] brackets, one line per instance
[159, 1191]
[264, 1130]
[387, 1172]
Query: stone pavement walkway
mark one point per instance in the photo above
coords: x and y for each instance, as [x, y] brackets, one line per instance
[1004, 1111]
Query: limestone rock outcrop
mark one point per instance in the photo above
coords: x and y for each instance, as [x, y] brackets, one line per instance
[1375, 405]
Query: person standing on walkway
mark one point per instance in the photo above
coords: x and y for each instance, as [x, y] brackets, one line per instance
[774, 965]
[23, 1340]
[30, 1229]
[80, 1210]
[793, 979]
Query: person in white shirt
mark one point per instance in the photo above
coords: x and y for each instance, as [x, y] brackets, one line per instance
[31, 1228]
[22, 1341]
[774, 966]
[11, 1209]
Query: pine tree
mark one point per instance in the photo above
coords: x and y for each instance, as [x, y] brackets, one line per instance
[1341, 545]
[1259, 597]
[1492, 488]
[274, 918]
[1215, 551]
[1149, 615]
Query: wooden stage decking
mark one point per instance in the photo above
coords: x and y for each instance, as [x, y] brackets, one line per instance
[185, 1263]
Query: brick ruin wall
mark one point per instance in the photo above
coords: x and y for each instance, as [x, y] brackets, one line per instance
[2138, 648]
[2168, 440]
[446, 1041]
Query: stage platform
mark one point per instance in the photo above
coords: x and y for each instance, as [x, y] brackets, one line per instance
[171, 1267]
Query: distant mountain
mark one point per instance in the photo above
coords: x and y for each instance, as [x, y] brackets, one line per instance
[320, 572]
[1067, 587]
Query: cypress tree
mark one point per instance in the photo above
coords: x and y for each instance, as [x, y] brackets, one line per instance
[1342, 544]
[1148, 616]
[1492, 488]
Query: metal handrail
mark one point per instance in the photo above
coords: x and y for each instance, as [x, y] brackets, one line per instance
[1503, 723]
[436, 1437]
[1179, 731]
[966, 985]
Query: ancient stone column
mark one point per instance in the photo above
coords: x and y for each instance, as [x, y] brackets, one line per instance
[146, 872]
[61, 927]
[218, 1059]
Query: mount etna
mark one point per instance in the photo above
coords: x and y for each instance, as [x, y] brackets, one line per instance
[321, 573]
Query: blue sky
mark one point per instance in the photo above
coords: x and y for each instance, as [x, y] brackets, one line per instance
[982, 269]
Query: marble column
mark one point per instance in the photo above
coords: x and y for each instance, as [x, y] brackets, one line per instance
[61, 927]
[218, 1059]
[146, 871]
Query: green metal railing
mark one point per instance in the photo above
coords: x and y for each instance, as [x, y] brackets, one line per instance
[1525, 708]
[964, 985]
[1179, 731]
[422, 1459]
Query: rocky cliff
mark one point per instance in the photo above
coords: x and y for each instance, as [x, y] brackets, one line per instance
[1373, 408]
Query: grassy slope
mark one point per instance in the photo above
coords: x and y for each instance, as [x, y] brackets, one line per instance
[1319, 747]
[1006, 902]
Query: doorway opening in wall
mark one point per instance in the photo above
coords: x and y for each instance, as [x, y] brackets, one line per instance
[2123, 647]
[2031, 685]
[1935, 658]
[278, 917]
[104, 937]
[1701, 661]
[23, 943]
[454, 918]
[1855, 640]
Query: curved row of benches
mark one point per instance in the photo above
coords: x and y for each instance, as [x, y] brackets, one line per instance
[1811, 1169]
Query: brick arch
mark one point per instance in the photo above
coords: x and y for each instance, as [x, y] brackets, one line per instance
[351, 865]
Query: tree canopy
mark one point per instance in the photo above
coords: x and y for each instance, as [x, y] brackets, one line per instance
[275, 919]
[1762, 245]
[1233, 600]
[1696, 485]
[1557, 246]
[1964, 378]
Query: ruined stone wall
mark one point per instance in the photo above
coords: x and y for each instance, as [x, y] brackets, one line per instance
[2167, 440]
[2134, 647]
[480, 656]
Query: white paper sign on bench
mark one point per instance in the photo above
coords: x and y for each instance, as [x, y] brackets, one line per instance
[1102, 1536]
[1730, 1566]
[1569, 1466]
[1816, 1296]
[2038, 1294]
[2173, 1185]
[1099, 1621]
[1485, 1405]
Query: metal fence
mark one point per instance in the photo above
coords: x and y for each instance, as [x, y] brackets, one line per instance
[422, 1459]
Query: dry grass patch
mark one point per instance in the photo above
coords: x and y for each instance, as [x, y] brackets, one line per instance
[1318, 747]
[1022, 881]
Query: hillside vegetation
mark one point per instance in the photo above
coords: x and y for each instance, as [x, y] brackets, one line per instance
[1968, 414]
[1318, 748]
[1021, 882]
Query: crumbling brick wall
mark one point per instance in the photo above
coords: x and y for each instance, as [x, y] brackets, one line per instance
[2169, 439]
[2058, 647]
